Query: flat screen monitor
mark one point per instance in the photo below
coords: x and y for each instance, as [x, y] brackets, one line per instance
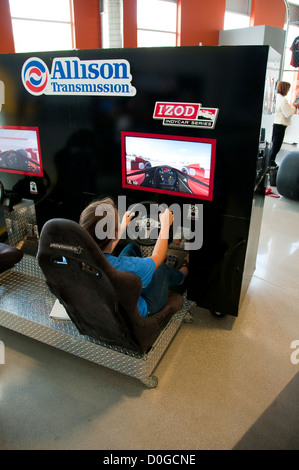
[168, 164]
[20, 150]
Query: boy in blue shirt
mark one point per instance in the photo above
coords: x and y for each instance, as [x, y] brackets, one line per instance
[155, 275]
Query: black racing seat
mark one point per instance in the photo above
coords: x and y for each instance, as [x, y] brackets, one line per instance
[100, 300]
[9, 256]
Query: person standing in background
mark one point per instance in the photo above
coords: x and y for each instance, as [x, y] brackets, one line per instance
[282, 119]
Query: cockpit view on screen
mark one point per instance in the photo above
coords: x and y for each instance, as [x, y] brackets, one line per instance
[169, 164]
[20, 151]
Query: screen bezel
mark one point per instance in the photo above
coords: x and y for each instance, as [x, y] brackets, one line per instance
[208, 197]
[39, 173]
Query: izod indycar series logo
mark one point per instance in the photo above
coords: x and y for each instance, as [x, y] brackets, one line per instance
[185, 115]
[72, 76]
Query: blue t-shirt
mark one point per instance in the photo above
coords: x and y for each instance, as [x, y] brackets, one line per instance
[143, 267]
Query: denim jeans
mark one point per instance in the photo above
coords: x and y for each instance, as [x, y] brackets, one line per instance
[165, 277]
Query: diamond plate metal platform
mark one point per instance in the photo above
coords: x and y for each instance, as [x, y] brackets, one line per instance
[25, 307]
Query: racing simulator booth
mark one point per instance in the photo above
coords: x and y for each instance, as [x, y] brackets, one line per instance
[185, 128]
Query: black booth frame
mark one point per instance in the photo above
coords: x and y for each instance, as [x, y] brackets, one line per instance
[80, 140]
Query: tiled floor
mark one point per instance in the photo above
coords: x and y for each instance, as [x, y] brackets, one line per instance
[224, 383]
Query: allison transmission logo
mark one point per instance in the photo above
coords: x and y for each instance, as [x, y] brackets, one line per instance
[72, 76]
[35, 75]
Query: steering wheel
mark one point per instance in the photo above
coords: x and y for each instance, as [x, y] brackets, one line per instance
[145, 225]
[165, 177]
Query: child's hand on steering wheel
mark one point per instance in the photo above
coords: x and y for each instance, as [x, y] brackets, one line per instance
[166, 218]
[127, 217]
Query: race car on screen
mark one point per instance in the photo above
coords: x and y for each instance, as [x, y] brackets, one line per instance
[189, 179]
[19, 160]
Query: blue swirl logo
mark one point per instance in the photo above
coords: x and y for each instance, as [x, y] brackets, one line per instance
[35, 75]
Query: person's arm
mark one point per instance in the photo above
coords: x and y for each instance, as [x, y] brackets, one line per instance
[122, 227]
[160, 249]
[287, 109]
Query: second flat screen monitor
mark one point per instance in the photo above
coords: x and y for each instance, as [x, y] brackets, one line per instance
[176, 165]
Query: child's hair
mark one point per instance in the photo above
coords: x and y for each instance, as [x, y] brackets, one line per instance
[89, 220]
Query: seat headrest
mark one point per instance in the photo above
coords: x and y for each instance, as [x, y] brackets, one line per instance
[67, 238]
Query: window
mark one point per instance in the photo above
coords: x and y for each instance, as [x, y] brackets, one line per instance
[237, 14]
[290, 72]
[42, 25]
[234, 20]
[156, 23]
